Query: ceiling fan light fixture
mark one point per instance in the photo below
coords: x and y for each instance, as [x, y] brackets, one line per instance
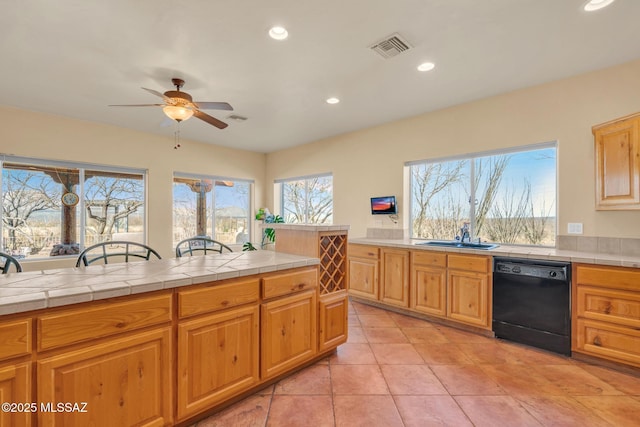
[278, 33]
[593, 5]
[177, 112]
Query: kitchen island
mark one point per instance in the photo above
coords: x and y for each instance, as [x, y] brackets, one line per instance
[154, 343]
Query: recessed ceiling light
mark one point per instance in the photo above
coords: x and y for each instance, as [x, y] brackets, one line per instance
[332, 100]
[426, 66]
[278, 33]
[592, 5]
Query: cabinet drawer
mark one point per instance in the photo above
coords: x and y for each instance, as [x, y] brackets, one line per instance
[479, 264]
[434, 259]
[363, 251]
[101, 320]
[15, 338]
[620, 307]
[608, 277]
[283, 284]
[218, 297]
[608, 341]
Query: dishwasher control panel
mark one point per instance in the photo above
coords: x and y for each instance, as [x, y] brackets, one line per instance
[529, 269]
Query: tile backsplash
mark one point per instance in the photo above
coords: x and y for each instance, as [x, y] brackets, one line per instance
[386, 233]
[605, 245]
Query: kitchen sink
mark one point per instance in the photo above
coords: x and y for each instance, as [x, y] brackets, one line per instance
[456, 244]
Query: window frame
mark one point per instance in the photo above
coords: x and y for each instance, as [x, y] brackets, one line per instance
[81, 206]
[471, 158]
[279, 183]
[250, 196]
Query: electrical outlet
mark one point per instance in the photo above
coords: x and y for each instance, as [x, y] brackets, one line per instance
[574, 228]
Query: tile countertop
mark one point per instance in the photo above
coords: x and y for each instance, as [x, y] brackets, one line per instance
[303, 227]
[514, 252]
[20, 292]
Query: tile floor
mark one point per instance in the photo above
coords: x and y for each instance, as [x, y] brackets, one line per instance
[400, 371]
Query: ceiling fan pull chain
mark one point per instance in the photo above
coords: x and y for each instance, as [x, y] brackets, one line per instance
[176, 139]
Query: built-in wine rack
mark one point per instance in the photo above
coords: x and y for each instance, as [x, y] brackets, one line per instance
[333, 263]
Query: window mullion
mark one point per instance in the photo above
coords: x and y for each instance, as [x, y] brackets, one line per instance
[472, 197]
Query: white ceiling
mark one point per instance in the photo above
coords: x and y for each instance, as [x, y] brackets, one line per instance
[75, 57]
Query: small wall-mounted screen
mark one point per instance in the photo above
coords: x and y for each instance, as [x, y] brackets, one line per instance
[383, 205]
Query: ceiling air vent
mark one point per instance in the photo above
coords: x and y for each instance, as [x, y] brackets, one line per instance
[391, 46]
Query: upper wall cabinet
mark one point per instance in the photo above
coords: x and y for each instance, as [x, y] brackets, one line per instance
[617, 153]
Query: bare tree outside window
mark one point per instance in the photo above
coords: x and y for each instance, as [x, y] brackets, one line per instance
[308, 201]
[514, 197]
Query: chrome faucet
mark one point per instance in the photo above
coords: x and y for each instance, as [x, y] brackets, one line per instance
[465, 236]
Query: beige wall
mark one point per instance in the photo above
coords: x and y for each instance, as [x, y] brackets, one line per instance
[370, 162]
[30, 134]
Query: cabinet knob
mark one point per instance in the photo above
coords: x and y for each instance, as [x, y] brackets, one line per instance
[597, 341]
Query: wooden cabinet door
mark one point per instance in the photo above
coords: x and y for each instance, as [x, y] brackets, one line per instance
[467, 299]
[217, 358]
[15, 387]
[429, 290]
[395, 277]
[123, 381]
[333, 320]
[363, 277]
[617, 165]
[289, 332]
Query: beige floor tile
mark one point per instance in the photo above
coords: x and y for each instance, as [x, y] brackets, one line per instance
[356, 335]
[403, 321]
[466, 380]
[561, 411]
[366, 411]
[396, 354]
[357, 379]
[412, 380]
[353, 354]
[496, 411]
[442, 354]
[250, 412]
[376, 321]
[384, 335]
[428, 411]
[425, 335]
[296, 411]
[315, 380]
[620, 411]
[575, 381]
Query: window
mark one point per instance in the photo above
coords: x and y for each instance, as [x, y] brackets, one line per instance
[99, 204]
[219, 208]
[513, 194]
[307, 200]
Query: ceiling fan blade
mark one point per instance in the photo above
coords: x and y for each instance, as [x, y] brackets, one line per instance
[211, 120]
[213, 106]
[161, 95]
[136, 105]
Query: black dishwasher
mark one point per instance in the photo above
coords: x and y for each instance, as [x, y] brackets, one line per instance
[532, 303]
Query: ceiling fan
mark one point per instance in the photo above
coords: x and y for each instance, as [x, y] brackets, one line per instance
[180, 106]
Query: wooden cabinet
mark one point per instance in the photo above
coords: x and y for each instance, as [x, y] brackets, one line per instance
[606, 313]
[15, 370]
[429, 282]
[617, 156]
[469, 289]
[394, 273]
[123, 381]
[217, 357]
[333, 320]
[15, 387]
[288, 333]
[363, 271]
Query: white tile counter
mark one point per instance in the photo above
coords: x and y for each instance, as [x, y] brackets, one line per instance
[21, 292]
